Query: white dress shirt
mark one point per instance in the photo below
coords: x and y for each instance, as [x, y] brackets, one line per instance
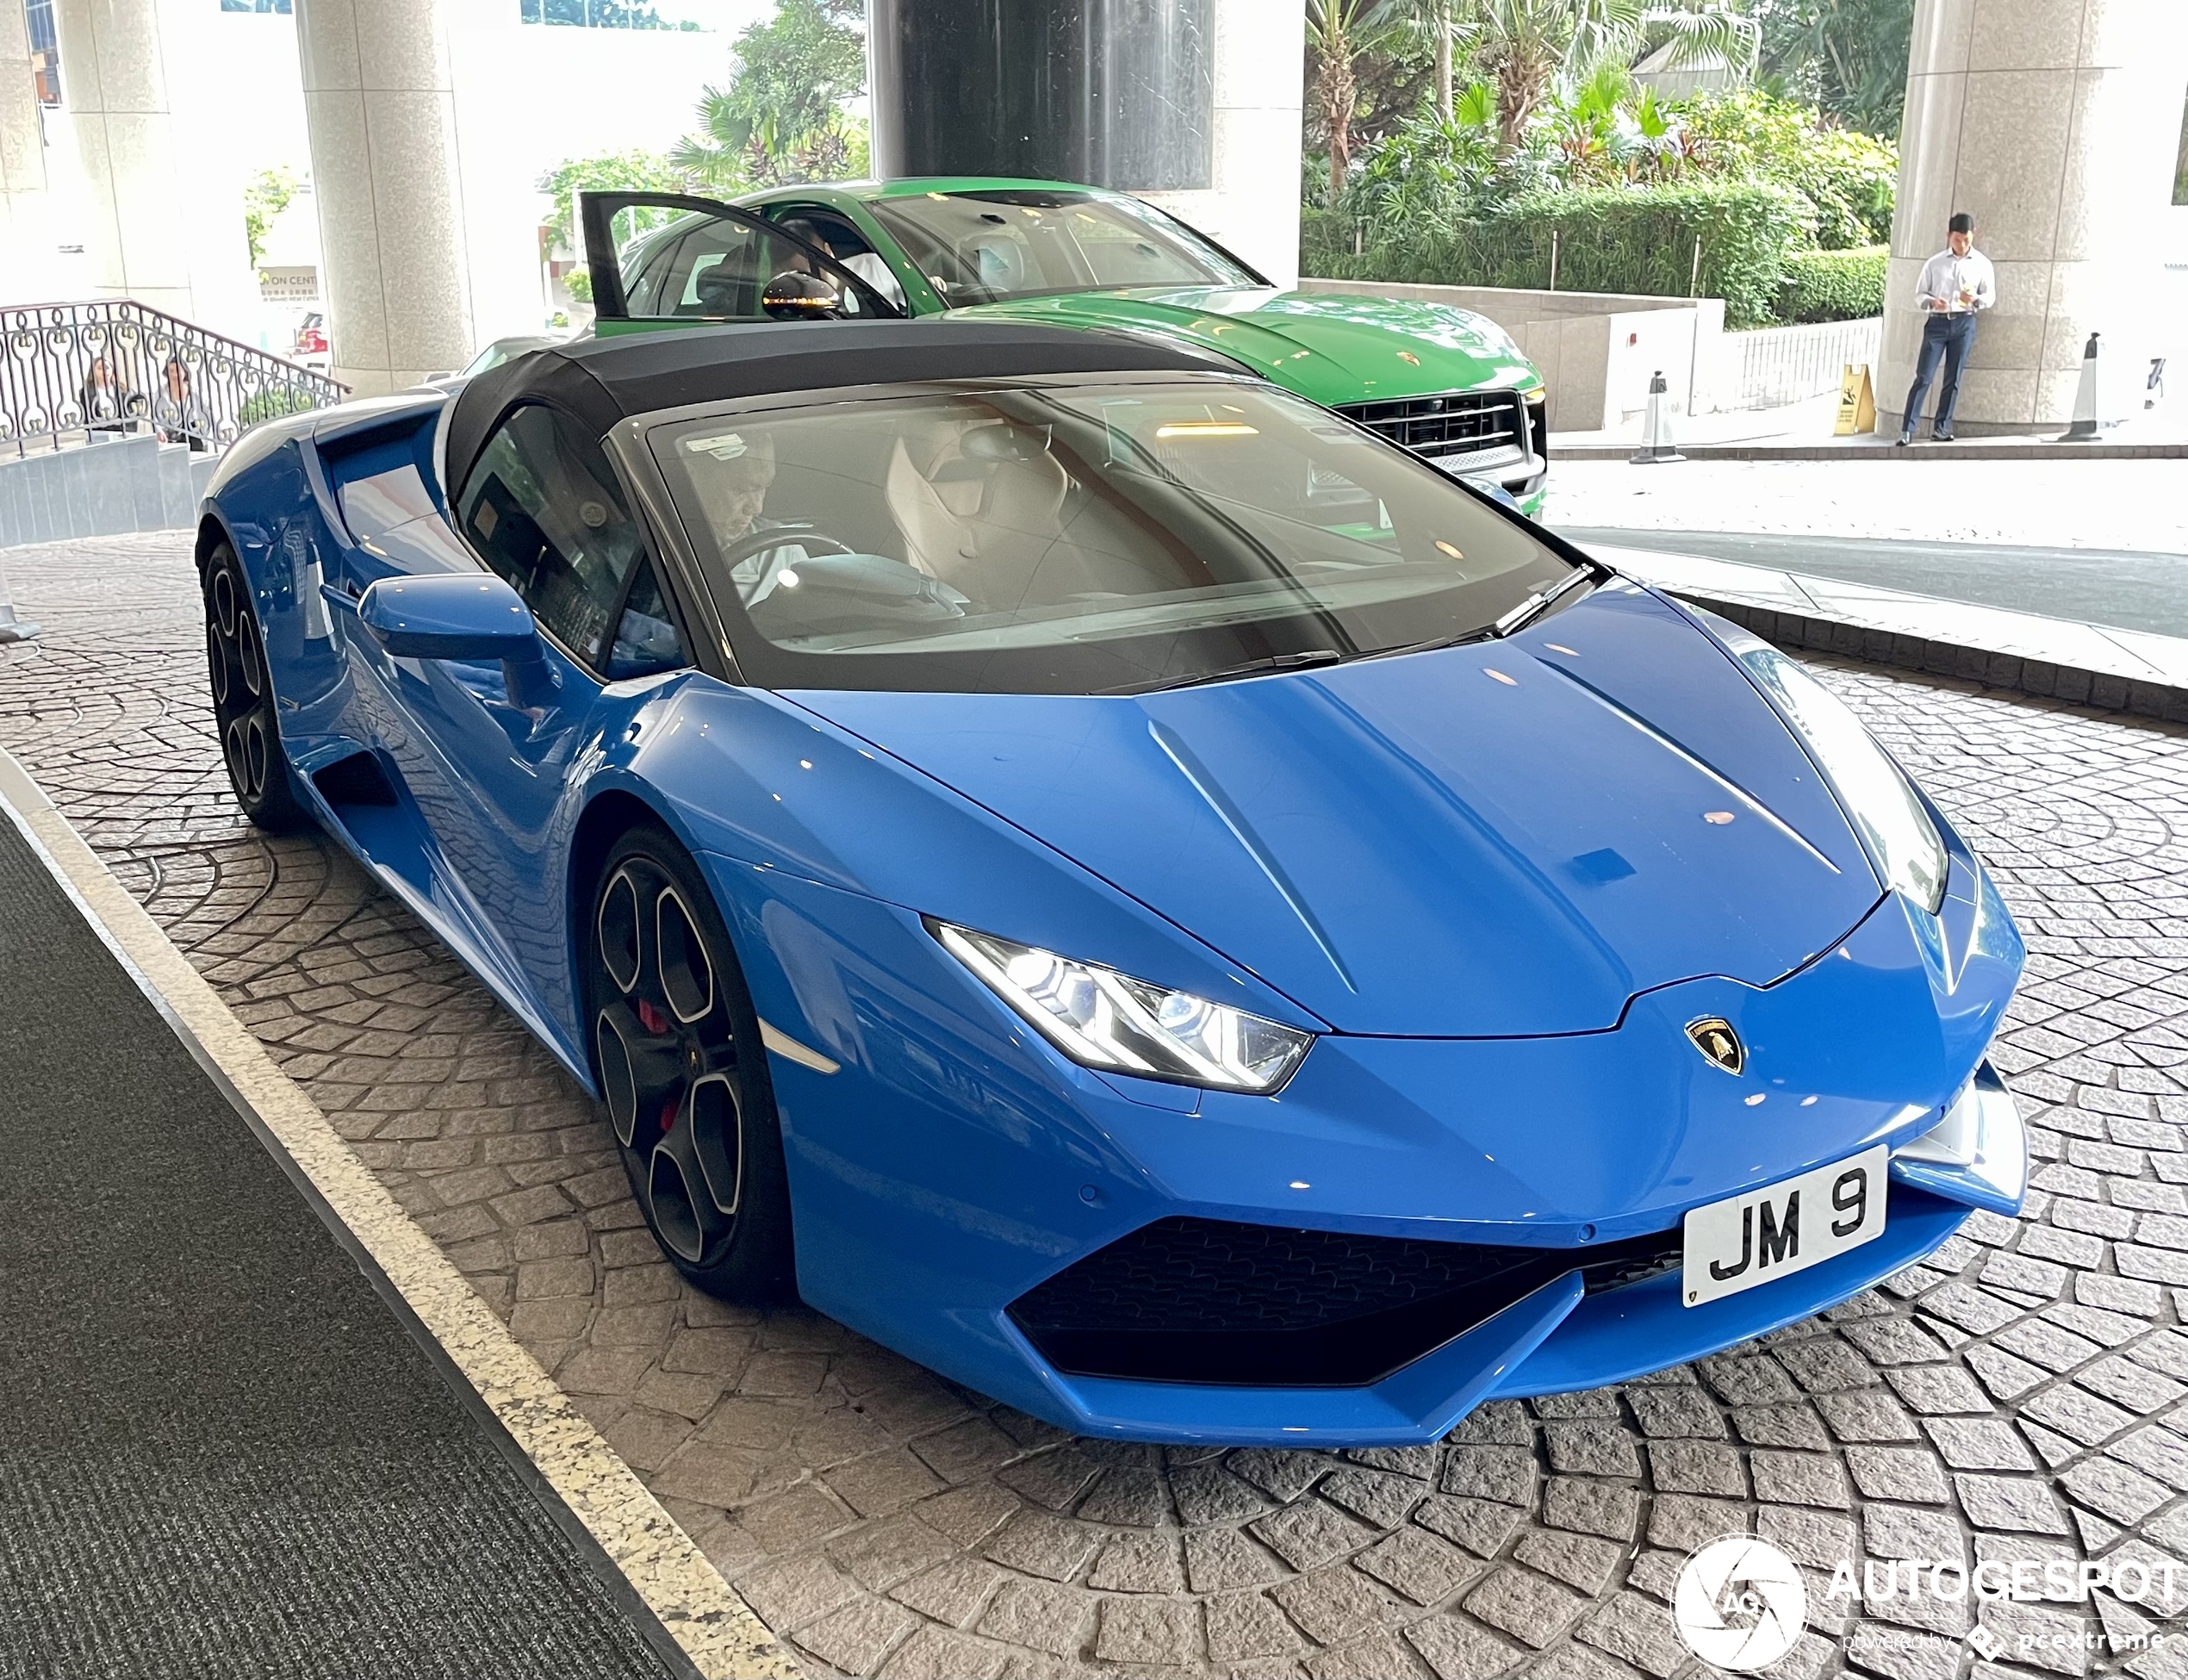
[1944, 277]
[870, 268]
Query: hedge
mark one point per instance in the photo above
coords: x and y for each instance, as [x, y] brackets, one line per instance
[1835, 285]
[1612, 239]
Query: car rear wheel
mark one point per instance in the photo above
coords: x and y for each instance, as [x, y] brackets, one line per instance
[243, 700]
[676, 1051]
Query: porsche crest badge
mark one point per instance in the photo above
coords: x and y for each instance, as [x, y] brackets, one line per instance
[1714, 1037]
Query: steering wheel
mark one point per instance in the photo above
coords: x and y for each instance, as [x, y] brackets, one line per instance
[760, 542]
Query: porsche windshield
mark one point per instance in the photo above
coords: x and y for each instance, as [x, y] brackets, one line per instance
[1080, 538]
[980, 248]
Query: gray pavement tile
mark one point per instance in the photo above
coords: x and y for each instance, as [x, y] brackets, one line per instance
[2019, 1390]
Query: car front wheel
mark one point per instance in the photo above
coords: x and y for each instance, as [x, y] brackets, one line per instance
[676, 1050]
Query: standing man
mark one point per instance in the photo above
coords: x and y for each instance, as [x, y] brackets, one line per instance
[1955, 284]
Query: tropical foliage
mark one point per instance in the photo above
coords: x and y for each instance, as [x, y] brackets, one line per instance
[1849, 58]
[780, 117]
[1721, 191]
[619, 171]
[270, 193]
[1522, 48]
[1551, 146]
[1850, 179]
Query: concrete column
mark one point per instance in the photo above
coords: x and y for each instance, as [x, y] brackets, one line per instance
[379, 105]
[137, 205]
[1252, 208]
[1195, 107]
[2053, 123]
[26, 236]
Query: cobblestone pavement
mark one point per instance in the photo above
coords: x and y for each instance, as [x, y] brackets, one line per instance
[2020, 1398]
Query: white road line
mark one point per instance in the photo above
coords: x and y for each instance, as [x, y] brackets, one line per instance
[716, 1630]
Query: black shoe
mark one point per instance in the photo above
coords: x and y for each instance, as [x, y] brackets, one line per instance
[1941, 437]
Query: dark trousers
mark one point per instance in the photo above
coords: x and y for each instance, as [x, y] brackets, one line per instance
[1946, 339]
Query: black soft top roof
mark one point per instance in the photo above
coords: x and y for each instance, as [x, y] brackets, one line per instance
[599, 382]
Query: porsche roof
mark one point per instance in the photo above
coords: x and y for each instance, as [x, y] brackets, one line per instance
[601, 381]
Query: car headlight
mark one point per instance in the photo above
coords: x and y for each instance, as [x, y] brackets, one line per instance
[1100, 1018]
[1887, 813]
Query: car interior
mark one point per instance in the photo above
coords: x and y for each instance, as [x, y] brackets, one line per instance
[875, 515]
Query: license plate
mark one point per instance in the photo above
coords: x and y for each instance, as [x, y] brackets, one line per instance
[1783, 1228]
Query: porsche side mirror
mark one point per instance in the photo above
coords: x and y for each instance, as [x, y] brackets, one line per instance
[795, 295]
[460, 615]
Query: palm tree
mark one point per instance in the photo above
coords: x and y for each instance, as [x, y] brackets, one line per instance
[1522, 45]
[1340, 31]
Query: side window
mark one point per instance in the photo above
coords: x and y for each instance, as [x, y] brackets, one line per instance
[646, 271]
[817, 225]
[543, 509]
[716, 268]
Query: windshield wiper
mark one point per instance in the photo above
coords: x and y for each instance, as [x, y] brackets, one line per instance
[1517, 619]
[1520, 616]
[1275, 661]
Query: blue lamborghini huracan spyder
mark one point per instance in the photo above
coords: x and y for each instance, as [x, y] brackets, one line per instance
[1115, 882]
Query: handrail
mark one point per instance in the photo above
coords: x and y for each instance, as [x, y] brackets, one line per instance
[112, 366]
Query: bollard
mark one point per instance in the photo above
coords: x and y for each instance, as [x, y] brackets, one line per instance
[12, 629]
[2084, 425]
[1656, 429]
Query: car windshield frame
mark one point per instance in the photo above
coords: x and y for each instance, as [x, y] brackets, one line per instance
[933, 251]
[1216, 645]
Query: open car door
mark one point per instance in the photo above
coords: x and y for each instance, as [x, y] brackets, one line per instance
[665, 258]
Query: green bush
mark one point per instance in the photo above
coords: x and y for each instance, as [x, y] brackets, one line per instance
[1609, 240]
[1850, 179]
[1835, 285]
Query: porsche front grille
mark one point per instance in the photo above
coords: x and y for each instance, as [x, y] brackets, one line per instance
[1211, 1301]
[1448, 423]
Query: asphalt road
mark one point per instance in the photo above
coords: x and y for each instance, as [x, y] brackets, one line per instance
[2126, 590]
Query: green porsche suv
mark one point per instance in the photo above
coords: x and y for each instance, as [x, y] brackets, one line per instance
[1445, 384]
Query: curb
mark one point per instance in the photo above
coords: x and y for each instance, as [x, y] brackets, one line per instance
[713, 1629]
[2100, 691]
[1991, 450]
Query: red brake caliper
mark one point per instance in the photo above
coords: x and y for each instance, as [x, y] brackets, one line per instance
[667, 1115]
[651, 1018]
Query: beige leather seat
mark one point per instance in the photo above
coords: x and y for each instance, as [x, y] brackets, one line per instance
[980, 507]
[987, 507]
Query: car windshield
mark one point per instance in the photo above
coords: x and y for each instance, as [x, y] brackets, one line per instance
[981, 247]
[1080, 538]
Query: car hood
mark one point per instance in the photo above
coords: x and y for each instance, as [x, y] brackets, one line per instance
[1505, 838]
[1332, 348]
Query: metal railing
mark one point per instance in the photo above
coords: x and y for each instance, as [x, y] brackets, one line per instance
[114, 366]
[1779, 365]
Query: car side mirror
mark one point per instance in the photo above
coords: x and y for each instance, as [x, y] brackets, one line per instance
[460, 615]
[794, 296]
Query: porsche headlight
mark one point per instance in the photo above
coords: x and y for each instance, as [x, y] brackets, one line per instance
[1100, 1018]
[1895, 830]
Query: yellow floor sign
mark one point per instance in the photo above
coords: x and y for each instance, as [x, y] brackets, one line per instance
[1856, 402]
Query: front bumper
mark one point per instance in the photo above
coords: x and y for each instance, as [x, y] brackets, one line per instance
[953, 1164]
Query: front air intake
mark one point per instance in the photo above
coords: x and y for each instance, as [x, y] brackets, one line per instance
[1188, 1300]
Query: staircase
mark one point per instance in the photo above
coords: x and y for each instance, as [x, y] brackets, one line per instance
[116, 413]
[115, 367]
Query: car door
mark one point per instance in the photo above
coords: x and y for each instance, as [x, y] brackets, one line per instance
[660, 259]
[543, 508]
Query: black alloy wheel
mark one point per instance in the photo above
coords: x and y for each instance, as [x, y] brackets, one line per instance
[676, 1051]
[243, 699]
